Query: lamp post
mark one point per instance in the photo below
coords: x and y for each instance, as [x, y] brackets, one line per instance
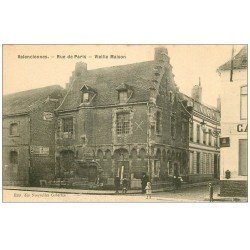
[215, 133]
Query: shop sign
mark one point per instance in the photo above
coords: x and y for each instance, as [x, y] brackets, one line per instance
[242, 128]
[224, 142]
[39, 150]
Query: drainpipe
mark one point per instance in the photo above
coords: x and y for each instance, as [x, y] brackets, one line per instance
[148, 151]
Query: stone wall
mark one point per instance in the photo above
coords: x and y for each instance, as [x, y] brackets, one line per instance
[233, 188]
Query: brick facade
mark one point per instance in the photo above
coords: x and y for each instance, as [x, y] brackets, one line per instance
[147, 144]
[24, 163]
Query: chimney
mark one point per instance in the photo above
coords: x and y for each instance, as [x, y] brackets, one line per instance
[161, 54]
[197, 92]
[80, 68]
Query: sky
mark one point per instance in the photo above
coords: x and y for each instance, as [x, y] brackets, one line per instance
[189, 62]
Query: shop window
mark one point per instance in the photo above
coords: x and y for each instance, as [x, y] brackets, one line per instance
[13, 157]
[243, 102]
[158, 122]
[14, 129]
[243, 157]
[123, 96]
[122, 123]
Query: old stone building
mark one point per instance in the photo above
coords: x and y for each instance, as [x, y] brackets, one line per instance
[28, 135]
[130, 119]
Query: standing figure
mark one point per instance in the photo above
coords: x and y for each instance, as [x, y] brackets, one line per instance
[211, 192]
[124, 185]
[117, 184]
[176, 181]
[144, 181]
[148, 189]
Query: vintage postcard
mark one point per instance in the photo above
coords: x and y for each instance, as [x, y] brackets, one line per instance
[125, 123]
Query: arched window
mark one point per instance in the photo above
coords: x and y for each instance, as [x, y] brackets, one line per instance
[13, 129]
[108, 155]
[13, 157]
[99, 155]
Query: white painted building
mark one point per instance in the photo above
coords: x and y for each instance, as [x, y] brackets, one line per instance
[234, 124]
[204, 151]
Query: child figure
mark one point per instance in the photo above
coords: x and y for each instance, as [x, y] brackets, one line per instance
[148, 190]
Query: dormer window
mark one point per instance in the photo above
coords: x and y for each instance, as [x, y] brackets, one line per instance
[123, 96]
[85, 97]
[124, 92]
[87, 94]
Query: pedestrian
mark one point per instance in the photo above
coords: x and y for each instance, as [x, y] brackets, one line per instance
[211, 192]
[124, 185]
[148, 189]
[144, 181]
[175, 181]
[117, 184]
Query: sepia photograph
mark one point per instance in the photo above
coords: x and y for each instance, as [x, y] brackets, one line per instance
[125, 123]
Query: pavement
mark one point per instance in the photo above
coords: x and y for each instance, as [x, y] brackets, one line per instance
[100, 192]
[33, 194]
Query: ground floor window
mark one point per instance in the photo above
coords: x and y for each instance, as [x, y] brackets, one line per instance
[13, 157]
[243, 157]
[191, 162]
[198, 162]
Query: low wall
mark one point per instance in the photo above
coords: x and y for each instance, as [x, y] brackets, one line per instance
[233, 188]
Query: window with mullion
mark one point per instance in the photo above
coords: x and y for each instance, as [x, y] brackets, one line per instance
[122, 123]
[68, 125]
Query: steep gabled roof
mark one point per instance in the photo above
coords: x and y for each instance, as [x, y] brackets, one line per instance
[239, 61]
[105, 81]
[24, 101]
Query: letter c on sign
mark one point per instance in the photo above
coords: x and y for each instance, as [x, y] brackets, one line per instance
[239, 128]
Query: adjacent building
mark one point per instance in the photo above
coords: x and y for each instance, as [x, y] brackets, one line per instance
[204, 129]
[29, 135]
[234, 125]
